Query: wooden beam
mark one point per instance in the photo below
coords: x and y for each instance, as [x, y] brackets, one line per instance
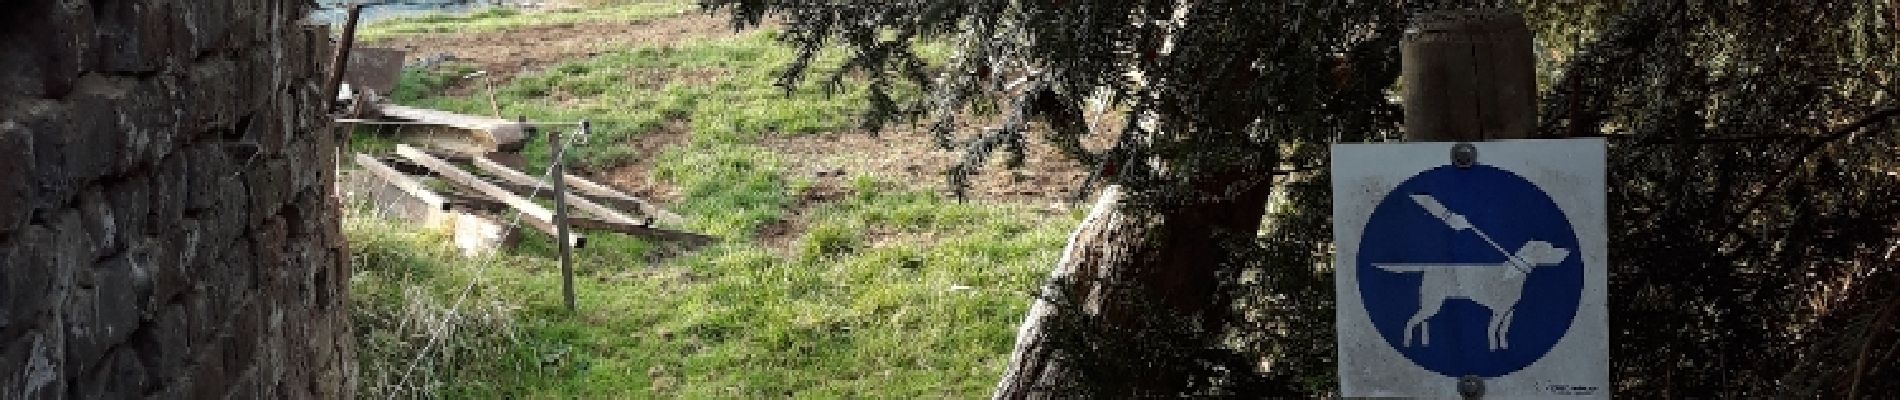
[500, 134]
[401, 181]
[537, 216]
[642, 231]
[522, 179]
[480, 202]
[609, 194]
[596, 192]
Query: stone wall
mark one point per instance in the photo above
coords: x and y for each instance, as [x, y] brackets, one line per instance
[167, 224]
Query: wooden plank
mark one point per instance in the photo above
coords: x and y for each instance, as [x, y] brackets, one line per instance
[537, 216]
[480, 202]
[510, 174]
[522, 179]
[400, 181]
[501, 134]
[609, 194]
[643, 232]
[596, 192]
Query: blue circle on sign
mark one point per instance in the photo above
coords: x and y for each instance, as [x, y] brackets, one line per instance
[1470, 271]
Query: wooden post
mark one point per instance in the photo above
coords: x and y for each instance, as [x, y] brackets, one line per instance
[340, 58]
[560, 211]
[1469, 75]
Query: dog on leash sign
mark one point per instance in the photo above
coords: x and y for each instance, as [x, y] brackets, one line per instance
[1481, 264]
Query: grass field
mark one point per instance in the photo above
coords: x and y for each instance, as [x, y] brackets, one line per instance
[497, 19]
[881, 292]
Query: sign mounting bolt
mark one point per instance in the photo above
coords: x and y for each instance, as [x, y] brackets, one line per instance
[1464, 155]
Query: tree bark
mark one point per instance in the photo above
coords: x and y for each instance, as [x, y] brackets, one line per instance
[1119, 265]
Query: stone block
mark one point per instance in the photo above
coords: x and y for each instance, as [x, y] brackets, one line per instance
[101, 222]
[210, 171]
[213, 22]
[170, 191]
[16, 182]
[123, 287]
[97, 141]
[165, 344]
[240, 348]
[269, 184]
[209, 378]
[50, 125]
[168, 256]
[120, 376]
[29, 280]
[72, 250]
[212, 93]
[35, 362]
[131, 203]
[237, 274]
[132, 36]
[152, 121]
[104, 315]
[47, 44]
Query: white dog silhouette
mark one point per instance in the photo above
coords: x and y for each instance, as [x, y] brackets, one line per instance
[1495, 286]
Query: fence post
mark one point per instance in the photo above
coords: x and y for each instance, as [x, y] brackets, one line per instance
[558, 156]
[1469, 76]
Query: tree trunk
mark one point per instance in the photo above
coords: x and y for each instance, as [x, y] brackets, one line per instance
[1119, 263]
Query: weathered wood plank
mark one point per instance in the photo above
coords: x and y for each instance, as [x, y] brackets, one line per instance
[539, 217]
[501, 134]
[401, 181]
[609, 194]
[595, 192]
[523, 179]
[480, 202]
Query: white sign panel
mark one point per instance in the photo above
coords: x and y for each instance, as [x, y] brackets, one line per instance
[1492, 270]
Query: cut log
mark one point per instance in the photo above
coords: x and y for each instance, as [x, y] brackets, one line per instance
[539, 217]
[494, 134]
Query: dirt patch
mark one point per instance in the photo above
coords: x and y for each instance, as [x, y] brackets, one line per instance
[505, 54]
[636, 177]
[910, 158]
